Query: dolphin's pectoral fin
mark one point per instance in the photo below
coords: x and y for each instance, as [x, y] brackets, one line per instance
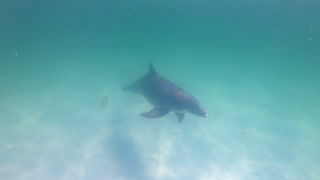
[155, 113]
[180, 116]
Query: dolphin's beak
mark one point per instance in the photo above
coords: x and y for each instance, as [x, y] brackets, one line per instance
[204, 113]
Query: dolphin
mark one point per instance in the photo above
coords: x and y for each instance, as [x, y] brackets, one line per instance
[164, 96]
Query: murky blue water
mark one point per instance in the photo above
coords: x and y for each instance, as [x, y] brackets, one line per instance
[254, 65]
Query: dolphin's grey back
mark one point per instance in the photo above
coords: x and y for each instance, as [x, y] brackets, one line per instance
[161, 92]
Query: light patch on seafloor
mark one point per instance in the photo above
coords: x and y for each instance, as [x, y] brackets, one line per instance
[161, 158]
[66, 136]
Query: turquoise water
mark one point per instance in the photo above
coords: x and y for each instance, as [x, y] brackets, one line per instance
[253, 65]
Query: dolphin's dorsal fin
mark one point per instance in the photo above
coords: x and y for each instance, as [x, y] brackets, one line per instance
[152, 71]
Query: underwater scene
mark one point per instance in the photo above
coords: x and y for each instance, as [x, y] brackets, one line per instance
[160, 90]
